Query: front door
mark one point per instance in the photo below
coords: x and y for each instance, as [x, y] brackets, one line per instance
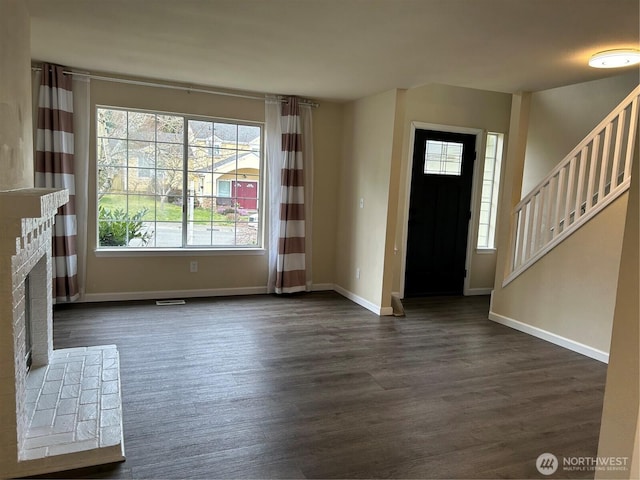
[439, 213]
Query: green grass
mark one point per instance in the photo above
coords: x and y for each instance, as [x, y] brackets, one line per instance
[158, 211]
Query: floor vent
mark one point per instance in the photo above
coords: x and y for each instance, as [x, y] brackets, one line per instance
[170, 302]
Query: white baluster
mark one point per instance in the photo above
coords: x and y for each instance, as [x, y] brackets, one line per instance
[580, 186]
[617, 150]
[569, 201]
[530, 235]
[560, 194]
[606, 148]
[538, 233]
[593, 166]
[633, 125]
[550, 200]
[521, 234]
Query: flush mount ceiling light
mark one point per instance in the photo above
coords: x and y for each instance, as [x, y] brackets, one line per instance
[615, 58]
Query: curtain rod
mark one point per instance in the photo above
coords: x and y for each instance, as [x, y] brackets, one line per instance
[306, 102]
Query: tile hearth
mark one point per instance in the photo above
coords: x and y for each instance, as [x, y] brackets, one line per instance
[74, 404]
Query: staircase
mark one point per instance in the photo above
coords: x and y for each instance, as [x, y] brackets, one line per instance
[590, 177]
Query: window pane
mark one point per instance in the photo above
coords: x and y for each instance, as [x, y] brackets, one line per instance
[200, 133]
[169, 182]
[200, 159]
[168, 234]
[112, 151]
[141, 154]
[142, 126]
[246, 234]
[170, 128]
[111, 179]
[199, 209]
[140, 180]
[226, 161]
[199, 233]
[223, 233]
[227, 134]
[443, 158]
[112, 123]
[142, 205]
[248, 137]
[169, 155]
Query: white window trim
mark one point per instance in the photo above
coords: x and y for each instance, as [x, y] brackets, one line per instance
[176, 252]
[486, 251]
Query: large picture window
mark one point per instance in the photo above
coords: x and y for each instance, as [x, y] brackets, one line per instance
[174, 181]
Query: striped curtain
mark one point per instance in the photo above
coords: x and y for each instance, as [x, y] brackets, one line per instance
[55, 169]
[290, 265]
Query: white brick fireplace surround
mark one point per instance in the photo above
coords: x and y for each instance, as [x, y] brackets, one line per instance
[66, 412]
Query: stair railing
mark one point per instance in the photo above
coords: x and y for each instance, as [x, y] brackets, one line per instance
[590, 177]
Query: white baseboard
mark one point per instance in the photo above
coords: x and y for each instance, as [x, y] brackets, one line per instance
[477, 291]
[551, 337]
[372, 307]
[322, 287]
[226, 292]
[164, 294]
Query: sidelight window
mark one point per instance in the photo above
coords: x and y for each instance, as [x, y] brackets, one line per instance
[490, 187]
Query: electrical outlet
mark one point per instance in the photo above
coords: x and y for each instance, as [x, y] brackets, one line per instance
[193, 266]
[362, 202]
[357, 273]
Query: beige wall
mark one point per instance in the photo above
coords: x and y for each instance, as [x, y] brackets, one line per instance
[456, 107]
[561, 117]
[620, 416]
[327, 146]
[365, 174]
[16, 135]
[108, 276]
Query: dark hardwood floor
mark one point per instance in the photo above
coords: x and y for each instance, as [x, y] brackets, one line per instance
[314, 386]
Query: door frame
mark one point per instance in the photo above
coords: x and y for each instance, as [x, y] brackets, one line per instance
[476, 186]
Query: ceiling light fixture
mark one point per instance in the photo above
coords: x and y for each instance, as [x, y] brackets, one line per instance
[622, 57]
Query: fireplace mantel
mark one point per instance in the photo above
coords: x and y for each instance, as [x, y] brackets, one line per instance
[25, 213]
[31, 202]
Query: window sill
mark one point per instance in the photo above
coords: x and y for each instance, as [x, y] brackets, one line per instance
[176, 252]
[486, 251]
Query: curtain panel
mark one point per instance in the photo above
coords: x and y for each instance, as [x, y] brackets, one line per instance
[289, 169]
[54, 168]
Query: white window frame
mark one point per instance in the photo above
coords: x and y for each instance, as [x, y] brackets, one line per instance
[186, 249]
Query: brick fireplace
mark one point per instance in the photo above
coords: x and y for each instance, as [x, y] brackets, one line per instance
[65, 411]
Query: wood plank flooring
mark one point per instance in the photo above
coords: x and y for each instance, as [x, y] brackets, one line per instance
[314, 386]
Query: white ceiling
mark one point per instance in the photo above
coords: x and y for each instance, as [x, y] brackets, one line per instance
[336, 49]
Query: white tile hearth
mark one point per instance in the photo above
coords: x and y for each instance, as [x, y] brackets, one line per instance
[74, 405]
